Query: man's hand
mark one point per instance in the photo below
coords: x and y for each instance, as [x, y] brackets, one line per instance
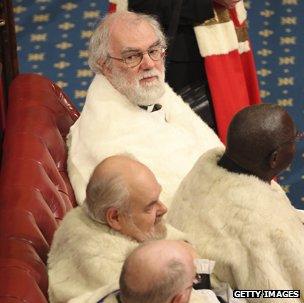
[227, 3]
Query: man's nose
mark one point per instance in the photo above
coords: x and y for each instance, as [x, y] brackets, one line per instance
[162, 209]
[147, 62]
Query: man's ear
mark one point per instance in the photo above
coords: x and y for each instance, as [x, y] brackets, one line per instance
[113, 219]
[273, 160]
[104, 67]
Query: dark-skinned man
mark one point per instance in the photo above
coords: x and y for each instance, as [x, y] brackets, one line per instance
[237, 215]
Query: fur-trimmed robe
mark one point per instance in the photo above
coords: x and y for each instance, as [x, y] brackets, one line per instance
[168, 141]
[86, 255]
[249, 227]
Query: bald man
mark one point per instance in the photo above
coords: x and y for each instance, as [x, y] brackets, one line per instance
[121, 209]
[130, 108]
[160, 271]
[234, 212]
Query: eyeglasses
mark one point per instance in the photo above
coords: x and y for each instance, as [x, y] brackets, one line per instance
[135, 58]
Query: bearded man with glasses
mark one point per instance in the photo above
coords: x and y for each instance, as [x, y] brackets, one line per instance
[130, 108]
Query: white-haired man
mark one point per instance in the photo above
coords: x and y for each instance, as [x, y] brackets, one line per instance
[129, 108]
[122, 208]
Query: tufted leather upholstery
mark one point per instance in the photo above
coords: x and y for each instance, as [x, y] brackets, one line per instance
[35, 192]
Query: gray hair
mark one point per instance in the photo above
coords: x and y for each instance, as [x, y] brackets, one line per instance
[100, 39]
[103, 193]
[171, 282]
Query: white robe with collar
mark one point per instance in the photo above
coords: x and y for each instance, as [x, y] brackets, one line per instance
[86, 255]
[249, 227]
[168, 141]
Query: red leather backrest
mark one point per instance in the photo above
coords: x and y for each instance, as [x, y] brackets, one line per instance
[35, 192]
[2, 103]
[28, 90]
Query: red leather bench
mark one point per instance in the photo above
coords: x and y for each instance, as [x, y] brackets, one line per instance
[35, 192]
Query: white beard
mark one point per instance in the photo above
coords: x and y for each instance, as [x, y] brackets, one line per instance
[159, 233]
[135, 92]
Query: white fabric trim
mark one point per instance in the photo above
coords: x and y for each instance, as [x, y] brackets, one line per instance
[244, 47]
[121, 5]
[221, 38]
[241, 12]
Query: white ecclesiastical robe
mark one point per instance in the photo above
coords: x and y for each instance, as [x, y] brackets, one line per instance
[247, 226]
[168, 141]
[86, 255]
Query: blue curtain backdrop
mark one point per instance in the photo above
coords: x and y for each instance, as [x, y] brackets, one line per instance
[277, 35]
[52, 37]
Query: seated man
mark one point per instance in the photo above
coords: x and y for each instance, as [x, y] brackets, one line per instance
[160, 272]
[122, 208]
[129, 108]
[234, 212]
[157, 272]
